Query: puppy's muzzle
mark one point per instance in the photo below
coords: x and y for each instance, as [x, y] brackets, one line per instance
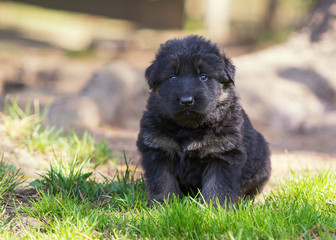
[186, 101]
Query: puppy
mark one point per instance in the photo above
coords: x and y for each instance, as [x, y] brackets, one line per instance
[194, 135]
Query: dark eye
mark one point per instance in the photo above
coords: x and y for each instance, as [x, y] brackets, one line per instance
[203, 77]
[172, 77]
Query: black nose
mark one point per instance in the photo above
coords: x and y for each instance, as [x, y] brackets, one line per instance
[187, 101]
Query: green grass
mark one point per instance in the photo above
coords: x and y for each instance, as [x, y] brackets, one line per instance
[26, 126]
[72, 202]
[70, 179]
[299, 207]
[9, 179]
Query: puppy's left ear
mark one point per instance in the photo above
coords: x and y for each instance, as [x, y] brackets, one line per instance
[228, 72]
[149, 76]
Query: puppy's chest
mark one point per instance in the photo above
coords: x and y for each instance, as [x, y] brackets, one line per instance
[203, 144]
[201, 147]
[188, 170]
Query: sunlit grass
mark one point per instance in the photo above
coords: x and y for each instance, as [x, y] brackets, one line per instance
[71, 178]
[10, 178]
[21, 122]
[73, 205]
[302, 207]
[26, 126]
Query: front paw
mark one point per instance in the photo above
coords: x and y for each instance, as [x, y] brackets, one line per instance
[162, 198]
[219, 193]
[216, 201]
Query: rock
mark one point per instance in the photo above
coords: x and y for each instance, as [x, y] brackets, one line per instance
[120, 93]
[115, 95]
[285, 86]
[74, 111]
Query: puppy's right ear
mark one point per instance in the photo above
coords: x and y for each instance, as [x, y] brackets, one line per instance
[150, 76]
[228, 71]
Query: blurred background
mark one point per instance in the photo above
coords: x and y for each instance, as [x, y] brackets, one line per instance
[86, 61]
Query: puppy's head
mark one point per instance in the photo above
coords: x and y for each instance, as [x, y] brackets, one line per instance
[189, 78]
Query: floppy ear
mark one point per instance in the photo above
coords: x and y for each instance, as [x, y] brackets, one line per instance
[228, 73]
[149, 76]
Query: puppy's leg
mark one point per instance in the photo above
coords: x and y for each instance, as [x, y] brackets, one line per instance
[257, 171]
[221, 179]
[160, 181]
[254, 186]
[256, 183]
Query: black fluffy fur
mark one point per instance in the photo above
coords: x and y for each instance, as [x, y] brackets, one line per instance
[208, 145]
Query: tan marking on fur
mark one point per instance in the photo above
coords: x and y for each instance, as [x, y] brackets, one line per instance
[157, 141]
[157, 93]
[211, 146]
[223, 96]
[200, 63]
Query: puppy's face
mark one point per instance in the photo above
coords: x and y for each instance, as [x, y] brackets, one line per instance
[188, 79]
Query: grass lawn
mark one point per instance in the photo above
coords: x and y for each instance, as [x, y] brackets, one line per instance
[69, 201]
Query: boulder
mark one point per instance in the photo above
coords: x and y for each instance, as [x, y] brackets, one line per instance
[74, 111]
[115, 95]
[120, 93]
[286, 87]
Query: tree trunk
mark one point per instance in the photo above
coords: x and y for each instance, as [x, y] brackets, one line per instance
[217, 19]
[270, 15]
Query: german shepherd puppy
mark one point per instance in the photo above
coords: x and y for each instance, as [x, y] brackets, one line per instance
[194, 135]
